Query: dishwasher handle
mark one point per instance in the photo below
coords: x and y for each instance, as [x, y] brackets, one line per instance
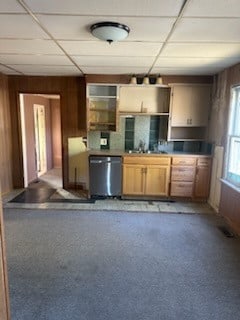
[112, 161]
[98, 161]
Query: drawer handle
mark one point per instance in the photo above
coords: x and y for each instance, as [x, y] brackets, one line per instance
[182, 170]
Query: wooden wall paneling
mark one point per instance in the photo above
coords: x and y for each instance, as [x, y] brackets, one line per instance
[82, 119]
[70, 93]
[5, 137]
[56, 133]
[224, 81]
[230, 207]
[187, 79]
[4, 293]
[107, 78]
[125, 79]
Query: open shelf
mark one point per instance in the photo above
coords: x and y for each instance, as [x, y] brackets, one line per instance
[124, 113]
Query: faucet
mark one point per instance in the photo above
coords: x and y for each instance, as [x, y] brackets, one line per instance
[141, 146]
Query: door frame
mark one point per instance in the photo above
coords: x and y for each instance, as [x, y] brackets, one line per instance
[4, 289]
[22, 136]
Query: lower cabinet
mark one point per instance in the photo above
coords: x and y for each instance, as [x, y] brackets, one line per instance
[202, 181]
[147, 176]
[183, 172]
[190, 177]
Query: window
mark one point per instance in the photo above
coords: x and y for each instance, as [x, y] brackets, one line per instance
[233, 154]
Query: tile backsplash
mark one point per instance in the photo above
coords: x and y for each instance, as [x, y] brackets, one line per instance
[146, 129]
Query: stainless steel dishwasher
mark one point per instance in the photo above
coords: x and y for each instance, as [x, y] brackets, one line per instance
[105, 175]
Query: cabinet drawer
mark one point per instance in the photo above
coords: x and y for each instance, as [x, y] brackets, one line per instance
[206, 162]
[147, 160]
[184, 161]
[183, 173]
[181, 189]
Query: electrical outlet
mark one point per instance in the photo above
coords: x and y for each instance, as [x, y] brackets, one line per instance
[103, 141]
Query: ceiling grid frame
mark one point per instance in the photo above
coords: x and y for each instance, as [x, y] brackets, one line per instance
[166, 37]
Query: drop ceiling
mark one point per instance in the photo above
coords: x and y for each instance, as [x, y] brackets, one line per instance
[191, 37]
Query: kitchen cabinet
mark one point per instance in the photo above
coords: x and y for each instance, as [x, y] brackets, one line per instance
[203, 174]
[133, 179]
[183, 172]
[102, 107]
[142, 100]
[189, 111]
[148, 176]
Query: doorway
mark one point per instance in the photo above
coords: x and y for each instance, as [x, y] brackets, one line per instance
[41, 140]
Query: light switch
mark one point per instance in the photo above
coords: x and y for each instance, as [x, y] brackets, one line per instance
[103, 142]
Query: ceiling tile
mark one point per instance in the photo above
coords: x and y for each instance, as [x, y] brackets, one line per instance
[10, 6]
[230, 50]
[114, 7]
[194, 62]
[213, 8]
[20, 26]
[29, 46]
[103, 61]
[114, 70]
[47, 70]
[6, 70]
[197, 30]
[75, 27]
[115, 49]
[34, 59]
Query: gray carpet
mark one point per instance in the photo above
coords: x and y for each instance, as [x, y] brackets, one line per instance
[72, 265]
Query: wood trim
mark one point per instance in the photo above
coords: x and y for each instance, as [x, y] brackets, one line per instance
[4, 293]
[125, 79]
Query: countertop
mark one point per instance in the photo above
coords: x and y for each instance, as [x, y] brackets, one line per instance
[136, 154]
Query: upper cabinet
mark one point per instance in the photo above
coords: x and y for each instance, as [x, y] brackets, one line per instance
[189, 111]
[102, 107]
[144, 100]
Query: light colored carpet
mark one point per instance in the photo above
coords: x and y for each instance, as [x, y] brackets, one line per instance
[83, 265]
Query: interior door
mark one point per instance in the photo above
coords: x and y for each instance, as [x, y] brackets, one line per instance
[40, 138]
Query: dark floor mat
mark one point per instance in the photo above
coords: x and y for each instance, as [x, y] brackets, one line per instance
[34, 195]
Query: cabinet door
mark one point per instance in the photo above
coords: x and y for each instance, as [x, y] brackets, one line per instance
[202, 182]
[102, 107]
[180, 106]
[133, 179]
[200, 105]
[190, 105]
[157, 180]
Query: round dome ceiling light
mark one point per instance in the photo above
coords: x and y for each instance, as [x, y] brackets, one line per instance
[110, 31]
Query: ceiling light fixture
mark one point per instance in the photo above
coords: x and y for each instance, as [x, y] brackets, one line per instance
[110, 31]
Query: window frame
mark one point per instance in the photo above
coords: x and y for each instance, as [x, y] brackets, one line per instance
[231, 136]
